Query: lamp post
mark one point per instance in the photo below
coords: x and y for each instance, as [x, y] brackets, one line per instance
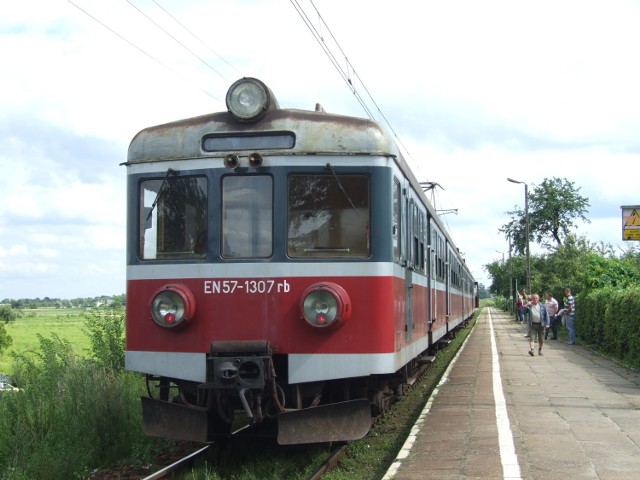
[505, 303]
[526, 221]
[512, 297]
[447, 210]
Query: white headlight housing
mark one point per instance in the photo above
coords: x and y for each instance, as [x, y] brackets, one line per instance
[248, 99]
[325, 305]
[172, 306]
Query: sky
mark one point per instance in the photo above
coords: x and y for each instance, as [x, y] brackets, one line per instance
[474, 91]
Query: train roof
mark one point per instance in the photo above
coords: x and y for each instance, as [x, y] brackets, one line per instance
[315, 133]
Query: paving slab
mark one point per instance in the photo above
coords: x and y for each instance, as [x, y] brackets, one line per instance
[570, 413]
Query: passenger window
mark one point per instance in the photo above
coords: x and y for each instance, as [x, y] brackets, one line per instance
[173, 218]
[329, 216]
[247, 216]
[396, 219]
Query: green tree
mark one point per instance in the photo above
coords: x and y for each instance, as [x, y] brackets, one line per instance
[554, 208]
[5, 339]
[7, 314]
[106, 333]
[578, 263]
[482, 291]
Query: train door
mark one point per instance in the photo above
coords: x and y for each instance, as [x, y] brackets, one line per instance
[463, 283]
[402, 250]
[408, 272]
[447, 276]
[433, 275]
[433, 298]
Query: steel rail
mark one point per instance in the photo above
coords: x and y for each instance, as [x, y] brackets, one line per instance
[177, 465]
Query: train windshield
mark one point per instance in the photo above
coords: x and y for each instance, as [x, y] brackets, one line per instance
[247, 216]
[329, 216]
[173, 218]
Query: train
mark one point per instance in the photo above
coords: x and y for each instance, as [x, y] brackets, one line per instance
[285, 269]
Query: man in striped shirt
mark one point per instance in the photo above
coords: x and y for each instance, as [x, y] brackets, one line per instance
[570, 312]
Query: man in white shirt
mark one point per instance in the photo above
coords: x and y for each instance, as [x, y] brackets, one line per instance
[551, 304]
[539, 321]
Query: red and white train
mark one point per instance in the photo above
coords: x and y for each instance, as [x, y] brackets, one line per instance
[283, 265]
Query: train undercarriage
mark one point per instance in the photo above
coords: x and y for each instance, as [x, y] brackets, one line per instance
[246, 384]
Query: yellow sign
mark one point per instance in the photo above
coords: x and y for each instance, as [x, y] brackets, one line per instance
[631, 223]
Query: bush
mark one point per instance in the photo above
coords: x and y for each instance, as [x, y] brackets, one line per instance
[592, 316]
[106, 333]
[73, 415]
[609, 319]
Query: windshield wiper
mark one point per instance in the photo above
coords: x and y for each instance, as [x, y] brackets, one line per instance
[161, 190]
[330, 167]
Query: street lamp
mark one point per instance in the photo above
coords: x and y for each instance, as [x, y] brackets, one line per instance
[526, 220]
[447, 210]
[512, 297]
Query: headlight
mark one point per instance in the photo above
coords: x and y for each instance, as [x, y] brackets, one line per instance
[249, 99]
[325, 305]
[172, 306]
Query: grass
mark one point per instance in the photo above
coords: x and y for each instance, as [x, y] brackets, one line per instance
[67, 323]
[77, 410]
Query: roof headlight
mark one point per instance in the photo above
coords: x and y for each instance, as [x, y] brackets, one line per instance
[172, 306]
[248, 99]
[325, 305]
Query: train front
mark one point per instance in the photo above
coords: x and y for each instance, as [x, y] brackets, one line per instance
[249, 246]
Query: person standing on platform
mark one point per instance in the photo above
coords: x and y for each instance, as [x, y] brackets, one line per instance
[570, 316]
[539, 321]
[520, 309]
[527, 302]
[551, 304]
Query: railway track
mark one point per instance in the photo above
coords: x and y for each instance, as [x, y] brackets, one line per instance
[330, 463]
[178, 465]
[188, 461]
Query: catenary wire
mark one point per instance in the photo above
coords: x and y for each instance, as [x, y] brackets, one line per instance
[176, 40]
[345, 75]
[196, 37]
[144, 52]
[319, 38]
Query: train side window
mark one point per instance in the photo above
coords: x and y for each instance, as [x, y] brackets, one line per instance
[173, 218]
[423, 234]
[396, 219]
[415, 230]
[247, 216]
[329, 216]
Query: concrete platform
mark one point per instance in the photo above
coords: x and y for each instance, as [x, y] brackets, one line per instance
[502, 414]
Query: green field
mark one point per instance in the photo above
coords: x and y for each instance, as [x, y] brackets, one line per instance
[67, 323]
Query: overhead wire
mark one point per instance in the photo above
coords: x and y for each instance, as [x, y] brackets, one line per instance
[197, 38]
[350, 74]
[157, 25]
[320, 39]
[347, 77]
[144, 52]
